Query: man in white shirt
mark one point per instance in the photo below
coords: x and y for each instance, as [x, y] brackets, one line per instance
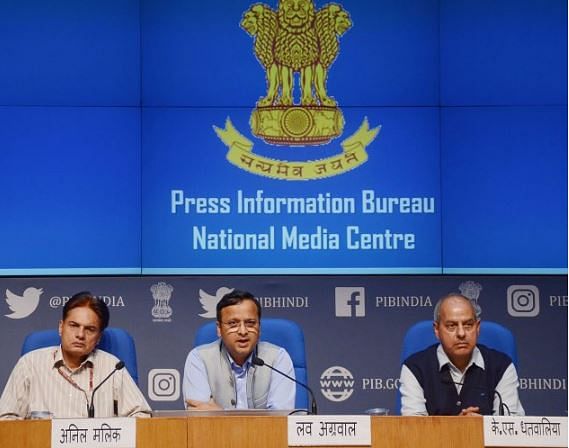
[457, 376]
[59, 381]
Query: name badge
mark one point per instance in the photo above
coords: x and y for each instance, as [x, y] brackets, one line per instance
[93, 433]
[525, 431]
[329, 430]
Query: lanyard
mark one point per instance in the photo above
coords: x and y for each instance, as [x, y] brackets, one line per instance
[73, 383]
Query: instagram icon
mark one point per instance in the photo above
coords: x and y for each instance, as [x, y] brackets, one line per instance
[523, 300]
[164, 384]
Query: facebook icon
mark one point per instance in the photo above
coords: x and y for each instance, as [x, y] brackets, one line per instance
[350, 302]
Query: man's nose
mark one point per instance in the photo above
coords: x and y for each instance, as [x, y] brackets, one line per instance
[460, 331]
[81, 333]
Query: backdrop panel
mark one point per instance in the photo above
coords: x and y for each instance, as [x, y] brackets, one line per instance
[70, 190]
[510, 52]
[188, 67]
[505, 207]
[202, 213]
[69, 53]
[353, 327]
[196, 54]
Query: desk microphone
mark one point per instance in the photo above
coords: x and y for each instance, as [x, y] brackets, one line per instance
[91, 407]
[501, 404]
[259, 362]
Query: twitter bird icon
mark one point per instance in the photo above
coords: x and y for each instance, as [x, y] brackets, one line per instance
[209, 302]
[23, 306]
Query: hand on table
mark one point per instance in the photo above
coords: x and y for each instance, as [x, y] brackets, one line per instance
[470, 411]
[195, 405]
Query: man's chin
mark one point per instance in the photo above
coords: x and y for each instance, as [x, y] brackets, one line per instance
[463, 350]
[246, 351]
[77, 351]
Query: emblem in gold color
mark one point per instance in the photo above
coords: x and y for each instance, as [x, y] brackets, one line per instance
[296, 44]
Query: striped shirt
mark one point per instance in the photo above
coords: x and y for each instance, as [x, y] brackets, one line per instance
[41, 382]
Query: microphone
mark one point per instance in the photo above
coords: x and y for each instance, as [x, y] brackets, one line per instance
[501, 404]
[91, 407]
[259, 362]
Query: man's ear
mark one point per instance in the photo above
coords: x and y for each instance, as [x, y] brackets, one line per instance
[60, 327]
[436, 330]
[218, 328]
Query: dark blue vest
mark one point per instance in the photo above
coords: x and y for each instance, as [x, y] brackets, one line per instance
[440, 391]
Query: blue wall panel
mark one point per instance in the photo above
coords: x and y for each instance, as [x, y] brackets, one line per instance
[195, 54]
[507, 52]
[70, 53]
[504, 189]
[70, 193]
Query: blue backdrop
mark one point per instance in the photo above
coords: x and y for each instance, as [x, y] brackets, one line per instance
[111, 166]
[108, 112]
[352, 355]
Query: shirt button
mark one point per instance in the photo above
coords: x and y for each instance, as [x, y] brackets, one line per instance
[458, 403]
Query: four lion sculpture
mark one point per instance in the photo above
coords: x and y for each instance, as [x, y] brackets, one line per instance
[296, 39]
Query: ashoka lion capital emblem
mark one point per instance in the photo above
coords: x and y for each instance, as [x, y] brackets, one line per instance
[161, 293]
[296, 45]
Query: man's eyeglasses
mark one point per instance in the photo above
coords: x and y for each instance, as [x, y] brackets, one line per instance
[235, 325]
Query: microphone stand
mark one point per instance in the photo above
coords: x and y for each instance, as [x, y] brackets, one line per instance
[91, 406]
[259, 362]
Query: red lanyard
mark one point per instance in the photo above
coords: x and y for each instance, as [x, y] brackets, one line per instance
[73, 383]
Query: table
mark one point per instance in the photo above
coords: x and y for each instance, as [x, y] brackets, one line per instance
[266, 431]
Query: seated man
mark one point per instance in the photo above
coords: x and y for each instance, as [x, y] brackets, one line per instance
[60, 380]
[457, 376]
[221, 375]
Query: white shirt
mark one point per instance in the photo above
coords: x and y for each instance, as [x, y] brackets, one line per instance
[413, 400]
[41, 381]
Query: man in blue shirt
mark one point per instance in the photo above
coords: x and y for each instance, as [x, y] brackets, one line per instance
[221, 374]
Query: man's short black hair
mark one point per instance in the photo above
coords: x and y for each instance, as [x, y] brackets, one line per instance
[234, 298]
[85, 298]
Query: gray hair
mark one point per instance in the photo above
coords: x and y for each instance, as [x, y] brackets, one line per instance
[437, 311]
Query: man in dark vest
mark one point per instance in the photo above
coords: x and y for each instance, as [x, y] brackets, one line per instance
[458, 376]
[222, 375]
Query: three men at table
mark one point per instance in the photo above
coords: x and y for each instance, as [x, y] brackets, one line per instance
[60, 380]
[221, 375]
[454, 377]
[457, 376]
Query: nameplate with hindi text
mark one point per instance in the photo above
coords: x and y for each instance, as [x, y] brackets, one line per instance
[93, 433]
[329, 430]
[525, 431]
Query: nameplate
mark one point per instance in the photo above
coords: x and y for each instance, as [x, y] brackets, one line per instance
[329, 430]
[93, 433]
[525, 431]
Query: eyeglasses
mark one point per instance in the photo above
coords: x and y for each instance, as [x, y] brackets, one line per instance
[235, 325]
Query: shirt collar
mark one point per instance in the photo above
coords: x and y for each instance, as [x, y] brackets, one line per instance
[59, 362]
[236, 367]
[476, 359]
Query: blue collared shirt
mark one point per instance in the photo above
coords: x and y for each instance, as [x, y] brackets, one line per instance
[240, 376]
[282, 391]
